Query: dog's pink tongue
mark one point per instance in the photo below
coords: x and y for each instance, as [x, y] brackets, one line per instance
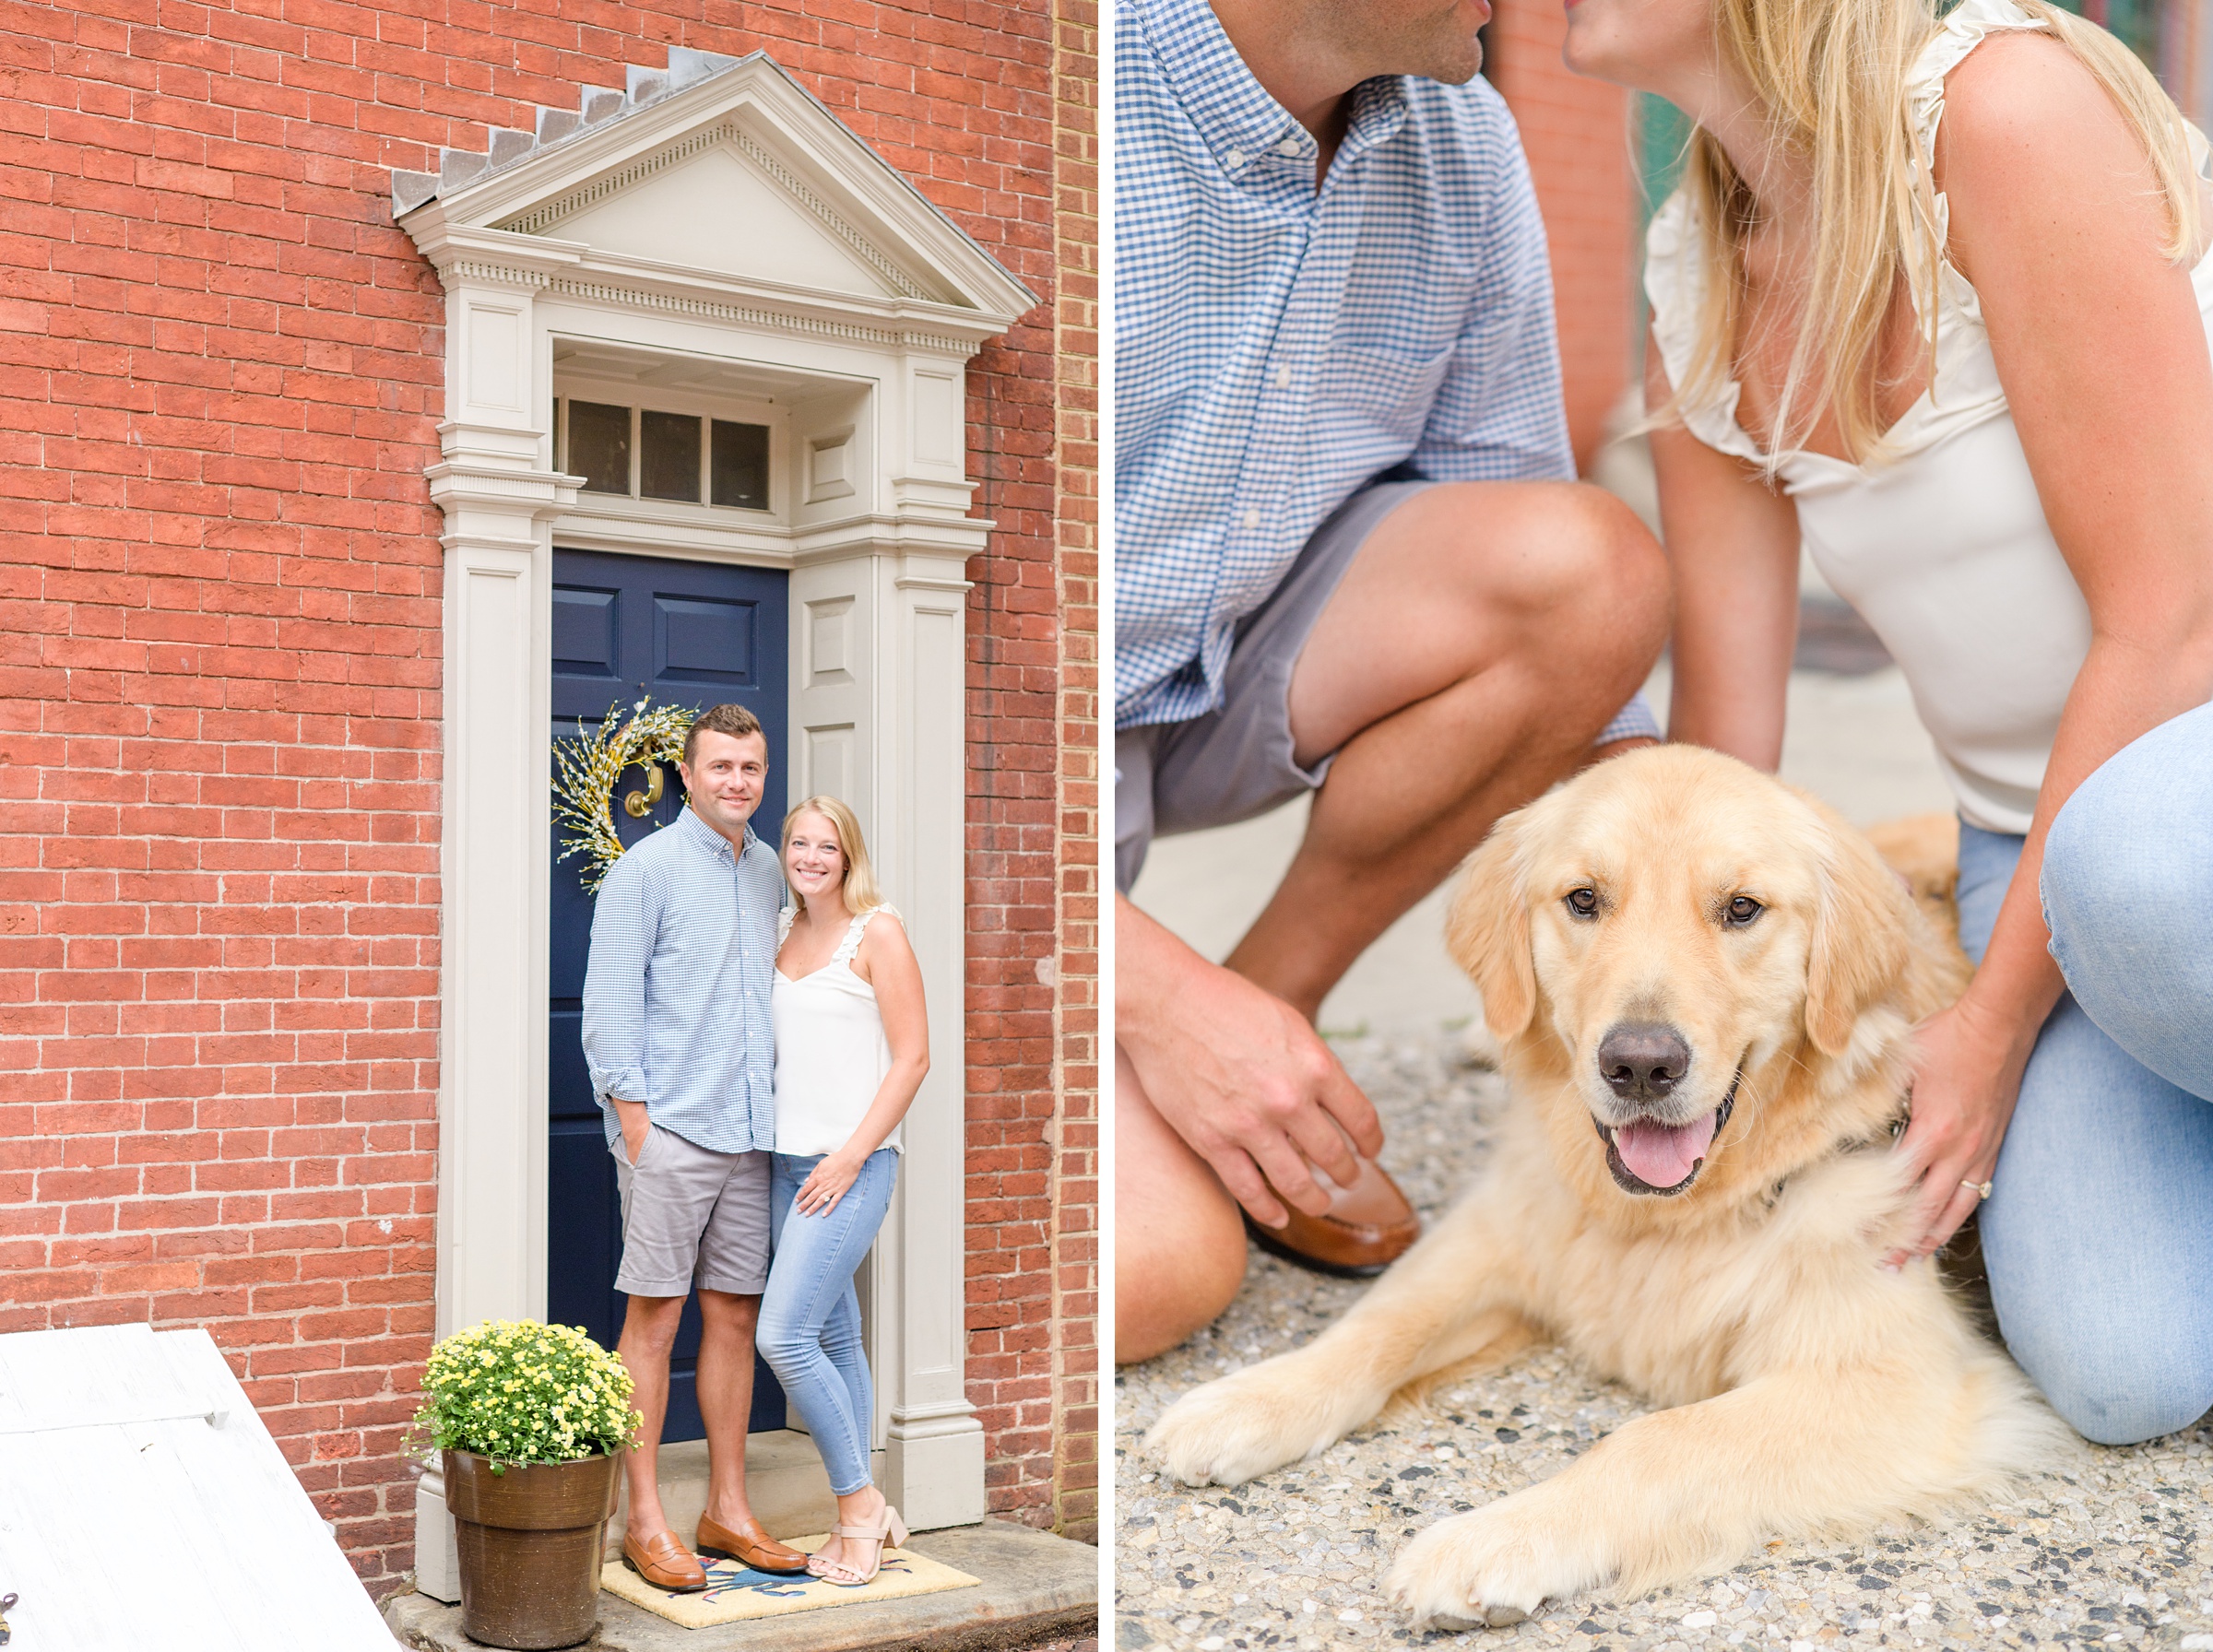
[1661, 1155]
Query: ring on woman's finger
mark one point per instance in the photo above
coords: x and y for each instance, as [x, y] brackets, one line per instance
[1979, 1189]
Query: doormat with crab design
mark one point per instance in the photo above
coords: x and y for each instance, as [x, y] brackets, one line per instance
[735, 1592]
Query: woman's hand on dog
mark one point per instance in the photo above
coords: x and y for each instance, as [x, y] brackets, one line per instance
[1967, 1077]
[1238, 1074]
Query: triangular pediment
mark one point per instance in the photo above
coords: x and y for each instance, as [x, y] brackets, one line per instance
[730, 171]
[720, 201]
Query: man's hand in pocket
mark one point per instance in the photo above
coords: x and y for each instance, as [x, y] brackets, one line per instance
[631, 1115]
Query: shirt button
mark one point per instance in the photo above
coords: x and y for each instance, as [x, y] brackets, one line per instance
[1283, 378]
[1252, 519]
[1289, 146]
[1235, 159]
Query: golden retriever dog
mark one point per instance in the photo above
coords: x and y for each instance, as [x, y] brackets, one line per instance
[1704, 984]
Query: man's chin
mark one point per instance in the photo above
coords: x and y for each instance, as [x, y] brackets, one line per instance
[1454, 63]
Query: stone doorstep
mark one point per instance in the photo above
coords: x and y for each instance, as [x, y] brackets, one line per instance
[1036, 1586]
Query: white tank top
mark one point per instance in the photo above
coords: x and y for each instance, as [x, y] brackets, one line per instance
[831, 1051]
[1944, 550]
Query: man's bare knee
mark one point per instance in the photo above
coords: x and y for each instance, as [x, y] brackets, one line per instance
[651, 1323]
[727, 1307]
[1599, 563]
[1594, 607]
[1172, 1282]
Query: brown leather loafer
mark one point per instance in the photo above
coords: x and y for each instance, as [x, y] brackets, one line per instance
[749, 1545]
[1367, 1228]
[664, 1563]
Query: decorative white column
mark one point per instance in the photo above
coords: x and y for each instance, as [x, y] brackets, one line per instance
[499, 504]
[933, 1440]
[498, 501]
[878, 654]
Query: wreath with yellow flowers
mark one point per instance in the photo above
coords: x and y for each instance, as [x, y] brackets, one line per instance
[587, 767]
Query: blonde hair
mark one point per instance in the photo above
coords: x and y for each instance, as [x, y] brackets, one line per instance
[861, 890]
[1832, 76]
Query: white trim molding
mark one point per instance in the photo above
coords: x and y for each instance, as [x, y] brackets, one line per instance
[600, 260]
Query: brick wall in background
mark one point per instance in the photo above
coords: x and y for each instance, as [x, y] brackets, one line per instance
[1014, 677]
[1576, 132]
[220, 382]
[1076, 1052]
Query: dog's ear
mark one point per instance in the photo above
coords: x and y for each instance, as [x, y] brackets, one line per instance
[1488, 932]
[1861, 942]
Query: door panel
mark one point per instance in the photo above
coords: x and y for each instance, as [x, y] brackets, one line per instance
[684, 633]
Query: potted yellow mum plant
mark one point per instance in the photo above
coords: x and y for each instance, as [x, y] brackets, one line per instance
[529, 1418]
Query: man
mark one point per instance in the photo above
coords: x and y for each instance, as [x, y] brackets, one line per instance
[677, 1036]
[1347, 549]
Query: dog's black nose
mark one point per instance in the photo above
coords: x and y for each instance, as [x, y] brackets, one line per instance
[1643, 1058]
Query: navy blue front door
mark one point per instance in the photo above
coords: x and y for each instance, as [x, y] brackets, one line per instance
[686, 633]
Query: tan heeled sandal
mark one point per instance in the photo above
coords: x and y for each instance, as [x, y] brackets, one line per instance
[889, 1532]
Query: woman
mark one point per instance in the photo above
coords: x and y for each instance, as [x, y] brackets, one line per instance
[852, 1045]
[1933, 300]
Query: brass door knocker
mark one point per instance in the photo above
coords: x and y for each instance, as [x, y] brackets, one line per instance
[635, 804]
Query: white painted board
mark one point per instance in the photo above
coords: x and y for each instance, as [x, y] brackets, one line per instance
[143, 1505]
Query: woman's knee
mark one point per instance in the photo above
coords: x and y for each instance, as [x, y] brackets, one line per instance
[2119, 1364]
[784, 1340]
[2118, 1395]
[2127, 892]
[2125, 863]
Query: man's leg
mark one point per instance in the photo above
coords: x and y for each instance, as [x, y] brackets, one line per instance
[725, 1399]
[649, 1336]
[1482, 638]
[1179, 1244]
[1480, 641]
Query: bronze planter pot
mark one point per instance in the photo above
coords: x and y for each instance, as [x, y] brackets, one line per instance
[530, 1543]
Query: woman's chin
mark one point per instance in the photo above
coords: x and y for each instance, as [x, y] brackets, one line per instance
[1587, 51]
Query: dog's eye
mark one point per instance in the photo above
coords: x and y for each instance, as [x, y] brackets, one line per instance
[1743, 910]
[1583, 903]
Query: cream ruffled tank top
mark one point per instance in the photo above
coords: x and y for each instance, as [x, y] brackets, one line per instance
[831, 1051]
[1944, 551]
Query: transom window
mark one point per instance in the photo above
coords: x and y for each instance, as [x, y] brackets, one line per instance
[645, 453]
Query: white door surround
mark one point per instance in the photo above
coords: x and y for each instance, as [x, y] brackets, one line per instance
[715, 237]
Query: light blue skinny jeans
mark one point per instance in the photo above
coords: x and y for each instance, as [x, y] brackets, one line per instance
[2098, 1235]
[809, 1329]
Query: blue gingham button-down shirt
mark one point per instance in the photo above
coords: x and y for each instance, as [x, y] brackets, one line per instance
[1275, 347]
[676, 996]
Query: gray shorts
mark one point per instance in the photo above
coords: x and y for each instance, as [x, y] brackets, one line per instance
[692, 1216]
[1234, 763]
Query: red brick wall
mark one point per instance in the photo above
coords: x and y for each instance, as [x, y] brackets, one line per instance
[1013, 676]
[1576, 133]
[1076, 1173]
[220, 380]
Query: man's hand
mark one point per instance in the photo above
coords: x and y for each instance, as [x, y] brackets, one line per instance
[631, 1115]
[1237, 1072]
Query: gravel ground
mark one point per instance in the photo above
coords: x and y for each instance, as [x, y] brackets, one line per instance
[2107, 1552]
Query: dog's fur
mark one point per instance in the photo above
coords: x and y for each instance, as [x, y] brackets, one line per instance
[1814, 1393]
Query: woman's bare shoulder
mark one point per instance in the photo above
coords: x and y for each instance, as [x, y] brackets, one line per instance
[2023, 103]
[885, 918]
[2034, 154]
[884, 936]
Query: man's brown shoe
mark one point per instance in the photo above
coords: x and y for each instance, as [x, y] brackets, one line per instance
[749, 1545]
[664, 1563]
[1367, 1228]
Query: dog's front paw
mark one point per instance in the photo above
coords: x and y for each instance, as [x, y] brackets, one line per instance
[1224, 1432]
[1494, 1566]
